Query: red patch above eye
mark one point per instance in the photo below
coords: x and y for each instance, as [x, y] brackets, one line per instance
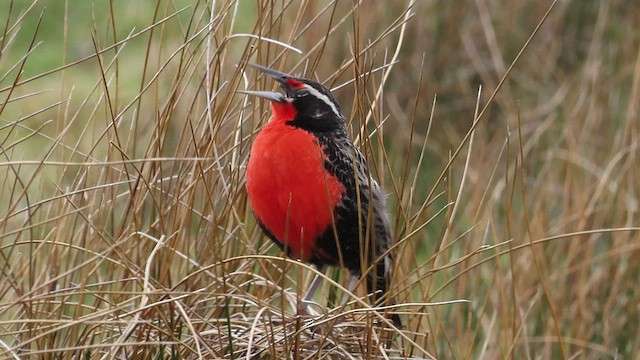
[294, 83]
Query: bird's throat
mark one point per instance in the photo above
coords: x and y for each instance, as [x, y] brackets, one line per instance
[283, 111]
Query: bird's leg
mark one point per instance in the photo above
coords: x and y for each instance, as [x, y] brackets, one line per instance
[353, 280]
[308, 296]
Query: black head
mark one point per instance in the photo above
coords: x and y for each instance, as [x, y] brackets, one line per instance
[316, 108]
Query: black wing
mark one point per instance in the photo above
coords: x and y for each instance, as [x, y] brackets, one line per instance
[363, 238]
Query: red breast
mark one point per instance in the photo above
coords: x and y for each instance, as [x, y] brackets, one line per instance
[290, 191]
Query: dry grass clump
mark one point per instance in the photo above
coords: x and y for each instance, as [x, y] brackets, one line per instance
[124, 225]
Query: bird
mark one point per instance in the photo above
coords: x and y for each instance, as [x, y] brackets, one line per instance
[310, 189]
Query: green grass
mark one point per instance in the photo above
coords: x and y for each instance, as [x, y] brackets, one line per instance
[124, 224]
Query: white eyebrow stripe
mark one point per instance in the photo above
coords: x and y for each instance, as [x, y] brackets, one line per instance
[313, 91]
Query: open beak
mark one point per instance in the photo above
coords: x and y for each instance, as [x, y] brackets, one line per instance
[271, 95]
[280, 77]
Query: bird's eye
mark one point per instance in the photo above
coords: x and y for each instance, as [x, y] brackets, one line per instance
[302, 93]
